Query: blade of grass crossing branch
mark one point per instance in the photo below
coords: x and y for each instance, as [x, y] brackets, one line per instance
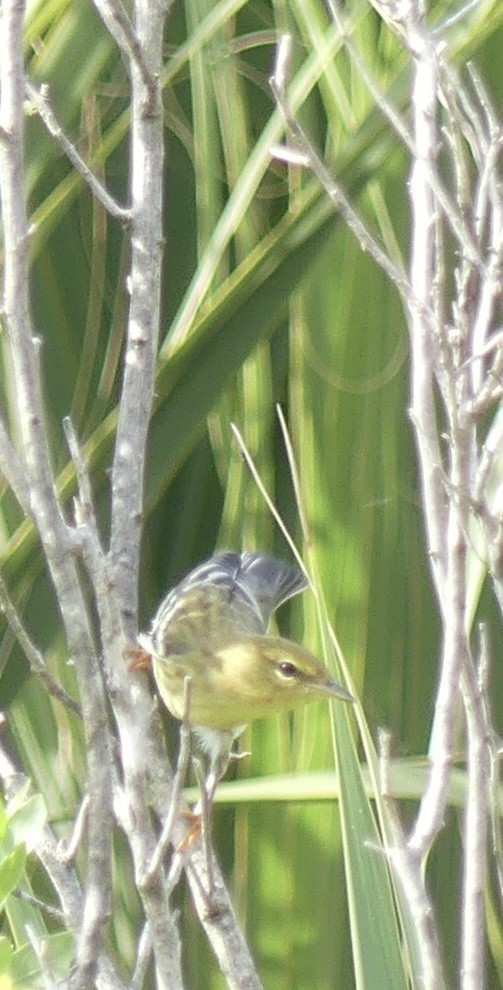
[377, 953]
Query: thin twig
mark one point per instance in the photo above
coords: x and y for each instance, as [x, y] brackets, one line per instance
[135, 407]
[32, 654]
[62, 875]
[118, 23]
[178, 782]
[85, 517]
[58, 539]
[476, 826]
[39, 947]
[409, 873]
[39, 98]
[333, 189]
[143, 958]
[12, 470]
[48, 909]
[449, 206]
[69, 850]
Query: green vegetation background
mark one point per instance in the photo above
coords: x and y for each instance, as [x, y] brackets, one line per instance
[293, 313]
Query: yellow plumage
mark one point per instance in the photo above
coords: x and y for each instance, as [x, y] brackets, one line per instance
[212, 628]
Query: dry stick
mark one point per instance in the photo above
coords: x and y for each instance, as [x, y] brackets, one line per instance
[203, 808]
[489, 298]
[496, 750]
[447, 535]
[442, 532]
[140, 748]
[484, 209]
[40, 952]
[136, 738]
[423, 342]
[12, 470]
[491, 389]
[490, 144]
[312, 161]
[178, 782]
[423, 941]
[35, 902]
[450, 209]
[131, 705]
[142, 959]
[133, 814]
[487, 497]
[69, 850]
[40, 100]
[206, 881]
[427, 964]
[476, 831]
[57, 538]
[223, 930]
[121, 29]
[32, 654]
[406, 858]
[147, 154]
[133, 719]
[218, 919]
[61, 874]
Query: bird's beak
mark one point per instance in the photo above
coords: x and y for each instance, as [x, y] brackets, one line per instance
[338, 691]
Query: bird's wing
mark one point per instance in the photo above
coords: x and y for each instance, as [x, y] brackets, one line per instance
[229, 595]
[270, 582]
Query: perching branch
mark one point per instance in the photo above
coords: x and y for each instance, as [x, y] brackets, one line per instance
[147, 243]
[57, 538]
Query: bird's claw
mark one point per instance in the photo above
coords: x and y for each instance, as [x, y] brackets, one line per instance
[140, 658]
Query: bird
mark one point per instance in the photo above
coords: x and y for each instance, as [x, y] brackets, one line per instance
[213, 628]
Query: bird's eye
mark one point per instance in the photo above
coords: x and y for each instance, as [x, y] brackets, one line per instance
[288, 669]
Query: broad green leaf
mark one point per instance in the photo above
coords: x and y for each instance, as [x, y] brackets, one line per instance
[6, 953]
[25, 970]
[11, 870]
[27, 820]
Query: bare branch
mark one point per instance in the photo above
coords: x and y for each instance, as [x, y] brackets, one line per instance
[448, 205]
[333, 189]
[39, 98]
[69, 852]
[32, 654]
[143, 327]
[57, 538]
[142, 960]
[178, 782]
[12, 471]
[476, 826]
[61, 875]
[409, 872]
[119, 25]
[423, 341]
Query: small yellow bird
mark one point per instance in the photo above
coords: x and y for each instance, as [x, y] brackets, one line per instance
[212, 627]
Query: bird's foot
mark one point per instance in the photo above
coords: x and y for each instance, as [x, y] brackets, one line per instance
[140, 658]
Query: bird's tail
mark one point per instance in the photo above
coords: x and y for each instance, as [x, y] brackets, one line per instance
[270, 581]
